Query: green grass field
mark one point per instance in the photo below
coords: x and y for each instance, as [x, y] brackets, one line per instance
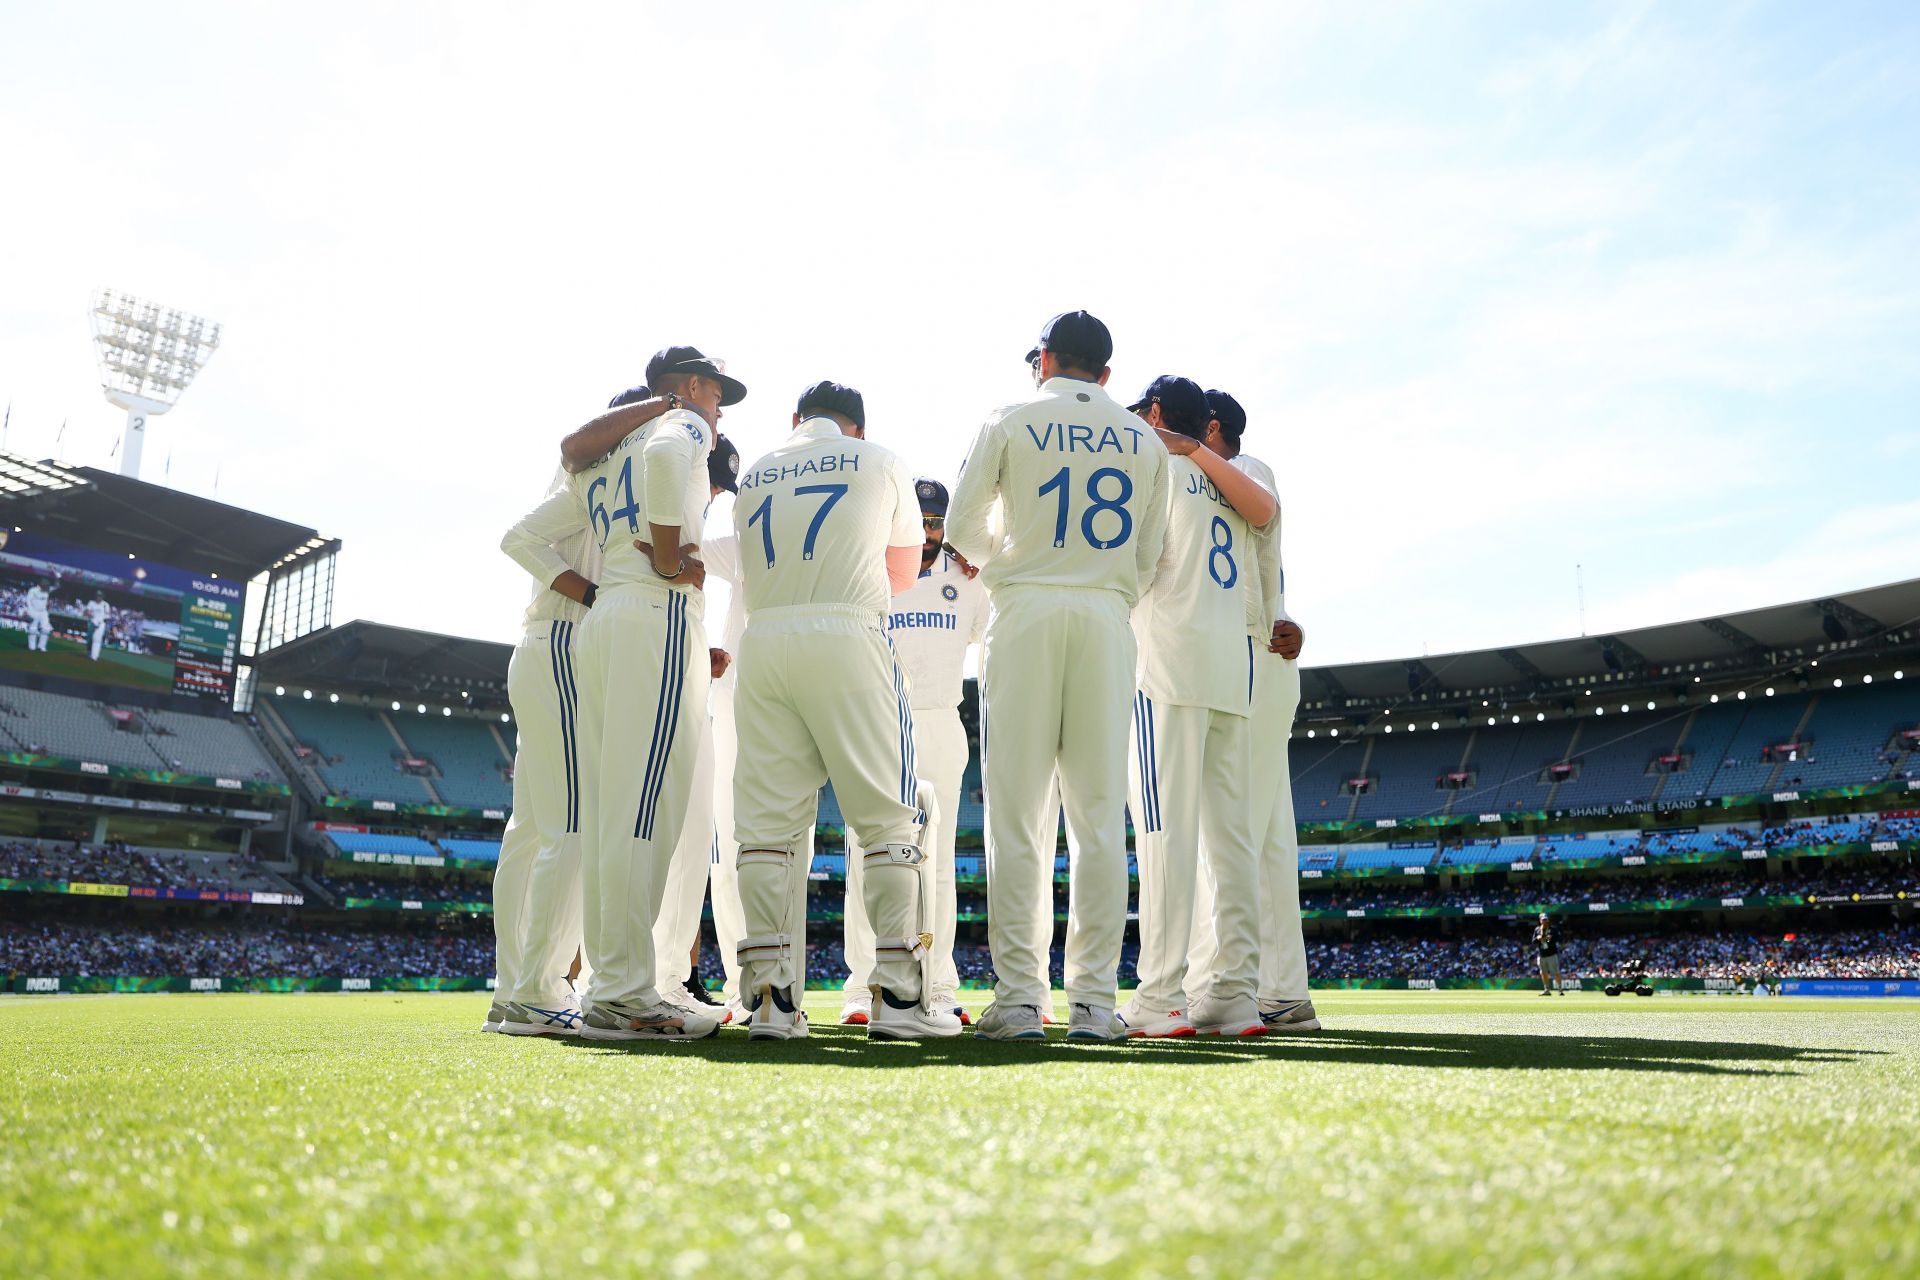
[66, 658]
[1422, 1134]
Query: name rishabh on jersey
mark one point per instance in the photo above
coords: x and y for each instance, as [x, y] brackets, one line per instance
[1195, 645]
[791, 553]
[1081, 483]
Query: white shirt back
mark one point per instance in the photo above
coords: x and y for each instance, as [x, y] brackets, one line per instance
[815, 517]
[931, 624]
[36, 599]
[1272, 596]
[657, 475]
[97, 611]
[550, 539]
[1193, 625]
[1082, 487]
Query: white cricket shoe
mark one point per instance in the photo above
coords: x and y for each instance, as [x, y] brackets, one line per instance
[1234, 1016]
[948, 1004]
[736, 1014]
[562, 1019]
[661, 1021]
[771, 1022]
[1010, 1022]
[495, 1012]
[1289, 1016]
[893, 1022]
[856, 1008]
[1094, 1022]
[1148, 1024]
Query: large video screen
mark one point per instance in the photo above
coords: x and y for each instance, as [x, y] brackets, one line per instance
[89, 615]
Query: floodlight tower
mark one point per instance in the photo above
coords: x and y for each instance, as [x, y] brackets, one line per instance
[149, 354]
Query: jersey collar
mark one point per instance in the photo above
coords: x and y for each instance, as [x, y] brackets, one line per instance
[817, 428]
[1059, 386]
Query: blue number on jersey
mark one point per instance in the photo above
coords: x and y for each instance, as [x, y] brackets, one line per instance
[1097, 503]
[763, 516]
[1222, 551]
[632, 510]
[597, 509]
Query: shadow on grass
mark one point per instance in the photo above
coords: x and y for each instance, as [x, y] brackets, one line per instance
[838, 1046]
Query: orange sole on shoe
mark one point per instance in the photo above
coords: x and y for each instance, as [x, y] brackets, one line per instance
[1180, 1034]
[854, 1020]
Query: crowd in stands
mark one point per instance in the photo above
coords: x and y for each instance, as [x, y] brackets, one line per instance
[268, 950]
[1857, 953]
[426, 888]
[1335, 896]
[117, 863]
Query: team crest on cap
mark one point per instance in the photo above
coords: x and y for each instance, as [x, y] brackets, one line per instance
[927, 489]
[950, 591]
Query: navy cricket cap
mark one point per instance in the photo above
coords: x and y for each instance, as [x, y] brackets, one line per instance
[723, 465]
[689, 361]
[1181, 401]
[831, 397]
[932, 495]
[1076, 333]
[1233, 419]
[632, 395]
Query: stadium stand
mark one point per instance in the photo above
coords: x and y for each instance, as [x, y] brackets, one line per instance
[54, 724]
[1405, 773]
[467, 755]
[1767, 721]
[1855, 733]
[355, 750]
[130, 865]
[476, 850]
[351, 842]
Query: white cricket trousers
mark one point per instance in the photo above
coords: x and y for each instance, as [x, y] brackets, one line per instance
[678, 923]
[536, 885]
[1190, 792]
[940, 754]
[95, 639]
[1276, 838]
[729, 920]
[1056, 691]
[821, 698]
[642, 662]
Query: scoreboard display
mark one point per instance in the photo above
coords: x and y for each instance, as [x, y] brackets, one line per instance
[87, 614]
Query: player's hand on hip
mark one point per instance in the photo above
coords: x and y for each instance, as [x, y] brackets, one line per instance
[1177, 444]
[718, 660]
[693, 573]
[1287, 639]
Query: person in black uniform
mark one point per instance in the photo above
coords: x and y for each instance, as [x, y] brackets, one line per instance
[1548, 944]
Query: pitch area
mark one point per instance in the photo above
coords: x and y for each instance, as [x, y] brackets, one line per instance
[1421, 1134]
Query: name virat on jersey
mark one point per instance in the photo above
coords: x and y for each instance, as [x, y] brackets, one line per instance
[826, 464]
[1071, 437]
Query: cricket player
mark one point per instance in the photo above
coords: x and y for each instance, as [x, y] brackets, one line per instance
[1192, 734]
[536, 884]
[97, 611]
[930, 624]
[722, 557]
[1277, 640]
[828, 530]
[1081, 488]
[676, 932]
[643, 669]
[39, 625]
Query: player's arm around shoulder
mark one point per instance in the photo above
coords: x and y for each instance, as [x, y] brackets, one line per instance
[530, 541]
[1249, 499]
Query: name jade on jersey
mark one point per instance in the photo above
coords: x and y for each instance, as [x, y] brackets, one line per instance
[1070, 437]
[826, 464]
[1197, 483]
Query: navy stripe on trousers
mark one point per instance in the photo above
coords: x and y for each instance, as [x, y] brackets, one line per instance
[560, 651]
[1149, 763]
[666, 715]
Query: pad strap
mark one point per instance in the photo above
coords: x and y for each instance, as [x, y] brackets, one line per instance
[765, 947]
[900, 855]
[782, 856]
[912, 945]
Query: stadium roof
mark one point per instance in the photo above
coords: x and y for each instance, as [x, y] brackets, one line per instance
[372, 658]
[1864, 623]
[113, 512]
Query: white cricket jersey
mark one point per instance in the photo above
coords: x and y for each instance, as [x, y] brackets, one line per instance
[721, 555]
[1082, 486]
[815, 517]
[931, 624]
[36, 600]
[548, 541]
[1272, 599]
[657, 475]
[1193, 625]
[97, 611]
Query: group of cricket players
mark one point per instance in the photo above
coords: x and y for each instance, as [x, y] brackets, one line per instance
[1119, 566]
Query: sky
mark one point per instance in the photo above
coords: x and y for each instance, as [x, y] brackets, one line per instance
[1506, 289]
